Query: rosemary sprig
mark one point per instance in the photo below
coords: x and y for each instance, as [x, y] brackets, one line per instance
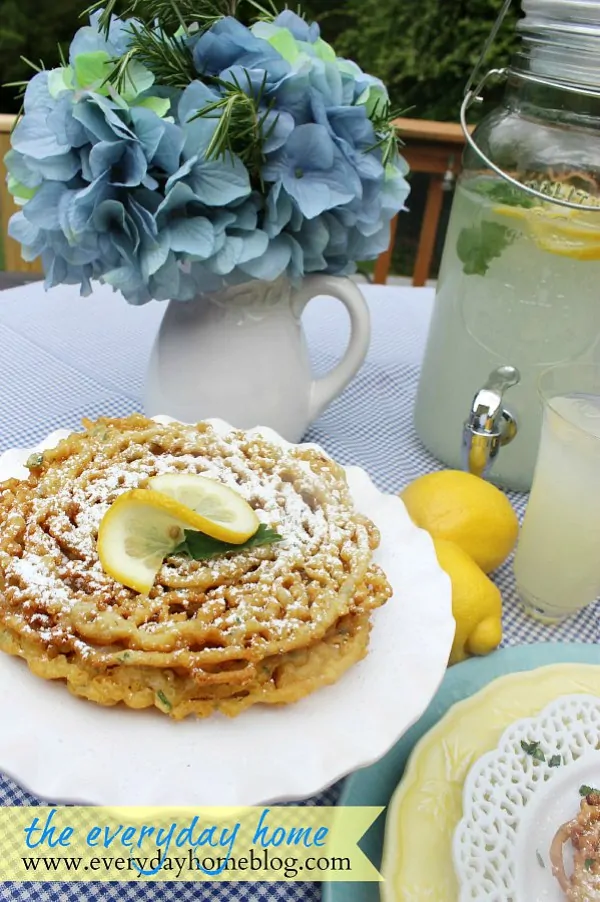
[173, 14]
[159, 36]
[269, 12]
[34, 66]
[20, 96]
[168, 57]
[241, 127]
[168, 15]
[386, 131]
[62, 57]
[107, 8]
[119, 75]
[21, 85]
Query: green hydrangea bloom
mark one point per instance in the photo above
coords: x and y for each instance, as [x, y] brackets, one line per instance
[20, 193]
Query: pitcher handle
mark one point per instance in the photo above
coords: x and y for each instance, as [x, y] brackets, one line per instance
[324, 390]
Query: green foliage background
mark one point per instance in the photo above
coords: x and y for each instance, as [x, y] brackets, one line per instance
[423, 50]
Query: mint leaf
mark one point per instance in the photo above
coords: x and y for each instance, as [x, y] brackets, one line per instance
[529, 747]
[202, 548]
[477, 246]
[505, 193]
[533, 749]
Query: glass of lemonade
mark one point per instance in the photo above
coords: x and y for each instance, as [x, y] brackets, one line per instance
[557, 565]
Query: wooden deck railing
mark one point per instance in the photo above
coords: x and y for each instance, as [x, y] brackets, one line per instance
[434, 148]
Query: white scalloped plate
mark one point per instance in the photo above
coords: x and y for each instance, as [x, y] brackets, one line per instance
[513, 804]
[67, 749]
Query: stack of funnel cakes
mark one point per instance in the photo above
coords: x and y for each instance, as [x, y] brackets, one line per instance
[265, 625]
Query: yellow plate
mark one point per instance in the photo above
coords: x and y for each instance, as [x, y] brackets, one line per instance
[427, 805]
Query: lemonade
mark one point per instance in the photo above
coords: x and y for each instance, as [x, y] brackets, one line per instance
[557, 565]
[519, 285]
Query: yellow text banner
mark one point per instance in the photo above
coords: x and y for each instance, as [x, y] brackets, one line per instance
[288, 843]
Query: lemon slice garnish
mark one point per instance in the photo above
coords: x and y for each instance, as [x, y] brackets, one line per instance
[511, 212]
[224, 514]
[567, 232]
[138, 531]
[144, 526]
[576, 251]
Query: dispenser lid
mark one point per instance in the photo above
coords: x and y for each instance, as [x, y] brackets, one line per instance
[563, 39]
[576, 17]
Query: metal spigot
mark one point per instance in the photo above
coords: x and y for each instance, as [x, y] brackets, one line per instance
[490, 424]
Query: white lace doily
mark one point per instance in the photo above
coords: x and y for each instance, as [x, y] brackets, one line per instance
[506, 784]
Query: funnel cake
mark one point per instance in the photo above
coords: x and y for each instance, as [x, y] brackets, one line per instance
[583, 884]
[266, 625]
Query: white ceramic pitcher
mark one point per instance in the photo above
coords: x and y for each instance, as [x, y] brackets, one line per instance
[240, 354]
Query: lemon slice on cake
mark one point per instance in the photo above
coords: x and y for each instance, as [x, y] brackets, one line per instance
[144, 526]
[225, 515]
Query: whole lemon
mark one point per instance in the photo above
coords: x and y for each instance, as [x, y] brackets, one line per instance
[467, 510]
[476, 603]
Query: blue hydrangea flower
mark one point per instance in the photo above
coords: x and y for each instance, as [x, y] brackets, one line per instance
[229, 43]
[91, 39]
[299, 28]
[313, 172]
[122, 187]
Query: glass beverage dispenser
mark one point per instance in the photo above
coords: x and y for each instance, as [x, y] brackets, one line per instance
[519, 286]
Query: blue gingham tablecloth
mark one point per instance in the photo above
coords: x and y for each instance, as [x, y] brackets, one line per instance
[63, 357]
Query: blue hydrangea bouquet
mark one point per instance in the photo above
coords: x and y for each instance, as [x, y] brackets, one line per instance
[177, 150]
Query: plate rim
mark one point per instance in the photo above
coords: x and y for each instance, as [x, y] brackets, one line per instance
[377, 783]
[40, 783]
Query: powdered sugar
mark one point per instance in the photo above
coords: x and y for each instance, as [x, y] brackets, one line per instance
[277, 503]
[286, 492]
[38, 578]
